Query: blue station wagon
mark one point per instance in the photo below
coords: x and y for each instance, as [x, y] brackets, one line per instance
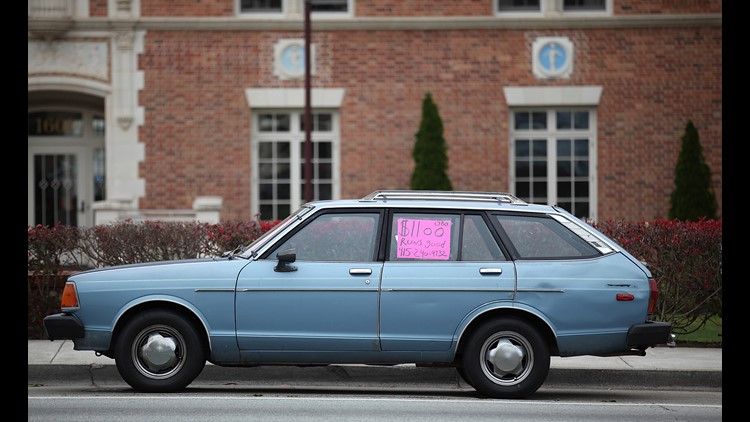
[483, 282]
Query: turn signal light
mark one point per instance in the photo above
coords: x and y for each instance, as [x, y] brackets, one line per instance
[69, 296]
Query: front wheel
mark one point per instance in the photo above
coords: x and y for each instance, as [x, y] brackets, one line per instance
[506, 358]
[159, 351]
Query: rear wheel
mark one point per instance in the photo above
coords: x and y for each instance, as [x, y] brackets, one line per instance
[506, 358]
[159, 351]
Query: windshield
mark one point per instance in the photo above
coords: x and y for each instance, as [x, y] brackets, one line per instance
[258, 243]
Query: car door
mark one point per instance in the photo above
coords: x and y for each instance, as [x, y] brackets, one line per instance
[441, 267]
[327, 300]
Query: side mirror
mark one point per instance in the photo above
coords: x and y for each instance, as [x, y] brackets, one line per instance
[286, 257]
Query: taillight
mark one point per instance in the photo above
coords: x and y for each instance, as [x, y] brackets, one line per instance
[69, 296]
[653, 297]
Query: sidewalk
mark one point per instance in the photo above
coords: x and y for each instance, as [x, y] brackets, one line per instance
[52, 362]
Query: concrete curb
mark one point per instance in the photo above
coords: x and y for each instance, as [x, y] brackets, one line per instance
[399, 376]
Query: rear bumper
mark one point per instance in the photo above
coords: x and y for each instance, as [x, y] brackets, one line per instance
[63, 327]
[650, 334]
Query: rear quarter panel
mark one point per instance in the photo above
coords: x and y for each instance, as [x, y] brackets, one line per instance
[579, 299]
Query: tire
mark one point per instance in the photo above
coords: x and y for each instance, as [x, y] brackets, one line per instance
[159, 351]
[506, 358]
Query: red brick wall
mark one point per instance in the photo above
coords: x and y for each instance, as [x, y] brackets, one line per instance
[200, 8]
[98, 7]
[197, 128]
[649, 7]
[423, 8]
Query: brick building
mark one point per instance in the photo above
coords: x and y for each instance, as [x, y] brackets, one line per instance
[192, 109]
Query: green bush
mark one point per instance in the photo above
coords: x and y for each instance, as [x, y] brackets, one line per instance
[430, 151]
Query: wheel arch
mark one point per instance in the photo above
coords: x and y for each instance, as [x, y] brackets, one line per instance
[181, 309]
[535, 320]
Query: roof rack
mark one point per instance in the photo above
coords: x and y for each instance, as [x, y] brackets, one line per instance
[499, 197]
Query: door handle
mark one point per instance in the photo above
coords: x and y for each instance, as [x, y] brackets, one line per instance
[490, 271]
[360, 271]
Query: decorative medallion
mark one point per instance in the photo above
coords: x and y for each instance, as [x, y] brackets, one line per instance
[289, 59]
[552, 57]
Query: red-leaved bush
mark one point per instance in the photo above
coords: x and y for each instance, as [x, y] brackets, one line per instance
[685, 259]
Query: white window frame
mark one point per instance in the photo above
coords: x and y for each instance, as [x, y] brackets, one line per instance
[552, 9]
[294, 9]
[296, 139]
[550, 100]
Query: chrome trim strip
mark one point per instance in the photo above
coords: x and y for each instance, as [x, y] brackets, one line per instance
[214, 290]
[450, 290]
[540, 291]
[371, 290]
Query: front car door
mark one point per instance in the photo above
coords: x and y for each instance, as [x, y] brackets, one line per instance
[327, 301]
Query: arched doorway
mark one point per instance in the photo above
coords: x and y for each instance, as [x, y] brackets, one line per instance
[66, 173]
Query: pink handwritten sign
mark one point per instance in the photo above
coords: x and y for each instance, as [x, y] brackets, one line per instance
[423, 239]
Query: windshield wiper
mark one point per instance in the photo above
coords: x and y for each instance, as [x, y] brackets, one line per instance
[234, 253]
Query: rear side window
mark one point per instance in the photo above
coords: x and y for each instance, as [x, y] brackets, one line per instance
[541, 237]
[442, 237]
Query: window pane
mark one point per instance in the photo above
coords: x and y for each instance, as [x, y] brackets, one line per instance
[541, 237]
[539, 120]
[477, 243]
[335, 237]
[563, 168]
[582, 209]
[563, 190]
[282, 123]
[518, 5]
[266, 212]
[523, 190]
[522, 169]
[540, 148]
[329, 6]
[324, 123]
[582, 147]
[325, 150]
[283, 191]
[325, 191]
[260, 6]
[282, 150]
[282, 171]
[564, 120]
[522, 120]
[563, 148]
[98, 125]
[266, 191]
[99, 175]
[581, 119]
[582, 189]
[540, 169]
[577, 5]
[282, 211]
[324, 171]
[522, 148]
[265, 123]
[582, 168]
[265, 150]
[540, 191]
[265, 170]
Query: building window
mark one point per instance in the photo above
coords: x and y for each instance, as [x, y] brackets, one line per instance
[584, 5]
[552, 154]
[518, 6]
[278, 157]
[283, 7]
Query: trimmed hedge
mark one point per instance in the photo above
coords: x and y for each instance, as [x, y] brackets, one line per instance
[684, 257]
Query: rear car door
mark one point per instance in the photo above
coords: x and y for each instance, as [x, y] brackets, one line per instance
[440, 267]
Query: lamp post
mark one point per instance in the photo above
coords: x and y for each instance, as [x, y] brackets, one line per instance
[308, 111]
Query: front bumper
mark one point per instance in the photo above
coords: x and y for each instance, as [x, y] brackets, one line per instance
[63, 327]
[650, 333]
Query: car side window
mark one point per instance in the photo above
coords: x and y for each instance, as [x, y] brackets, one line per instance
[477, 243]
[417, 236]
[540, 237]
[332, 237]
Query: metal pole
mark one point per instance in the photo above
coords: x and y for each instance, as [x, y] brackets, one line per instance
[308, 111]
